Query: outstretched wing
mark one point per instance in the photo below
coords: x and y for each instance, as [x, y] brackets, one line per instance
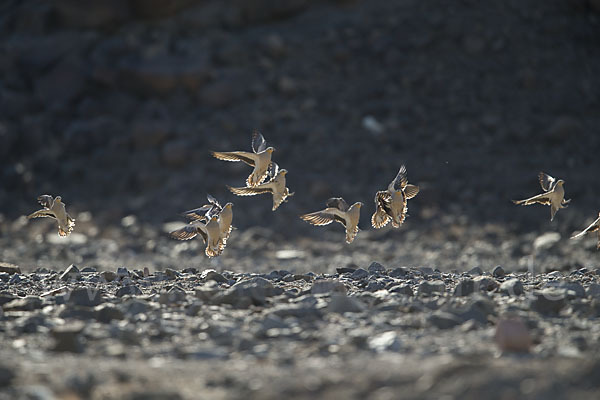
[543, 199]
[546, 181]
[337, 202]
[189, 232]
[324, 217]
[410, 191]
[400, 181]
[244, 156]
[259, 144]
[212, 200]
[250, 191]
[41, 213]
[594, 226]
[382, 215]
[46, 200]
[198, 214]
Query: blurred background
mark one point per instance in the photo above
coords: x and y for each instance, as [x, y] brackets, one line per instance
[115, 105]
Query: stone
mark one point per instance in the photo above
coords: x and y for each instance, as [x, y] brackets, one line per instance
[68, 337]
[359, 274]
[134, 306]
[173, 295]
[108, 276]
[374, 286]
[71, 274]
[129, 290]
[403, 289]
[9, 268]
[6, 298]
[84, 297]
[485, 284]
[340, 303]
[571, 289]
[498, 272]
[386, 341]
[106, 313]
[512, 335]
[212, 275]
[122, 272]
[465, 287]
[592, 291]
[427, 288]
[476, 271]
[171, 273]
[399, 272]
[512, 287]
[7, 375]
[548, 301]
[376, 268]
[444, 320]
[327, 287]
[28, 303]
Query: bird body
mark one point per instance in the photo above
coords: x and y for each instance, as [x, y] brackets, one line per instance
[275, 186]
[259, 158]
[209, 231]
[392, 204]
[337, 210]
[224, 214]
[553, 196]
[55, 208]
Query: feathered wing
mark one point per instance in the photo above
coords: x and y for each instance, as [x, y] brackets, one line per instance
[337, 202]
[324, 217]
[198, 214]
[188, 232]
[411, 191]
[400, 181]
[381, 217]
[546, 181]
[594, 227]
[244, 156]
[543, 199]
[251, 191]
[41, 214]
[272, 170]
[46, 200]
[259, 144]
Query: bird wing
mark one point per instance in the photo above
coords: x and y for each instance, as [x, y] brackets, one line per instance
[543, 198]
[381, 216]
[251, 191]
[410, 191]
[546, 181]
[400, 181]
[189, 232]
[273, 170]
[212, 200]
[338, 203]
[198, 214]
[259, 144]
[45, 200]
[324, 217]
[594, 226]
[244, 156]
[42, 213]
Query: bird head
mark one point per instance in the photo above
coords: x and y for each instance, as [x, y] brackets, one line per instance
[228, 205]
[560, 182]
[358, 204]
[283, 171]
[58, 198]
[270, 150]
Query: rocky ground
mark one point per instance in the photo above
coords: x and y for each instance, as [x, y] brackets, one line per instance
[358, 332]
[115, 105]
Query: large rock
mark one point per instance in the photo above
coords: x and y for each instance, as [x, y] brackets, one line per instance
[427, 288]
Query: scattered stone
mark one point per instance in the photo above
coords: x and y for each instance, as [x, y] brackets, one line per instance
[548, 301]
[465, 287]
[498, 272]
[71, 274]
[374, 286]
[571, 289]
[485, 284]
[376, 268]
[212, 275]
[399, 272]
[427, 288]
[592, 291]
[106, 313]
[512, 287]
[345, 270]
[85, 297]
[108, 276]
[7, 375]
[386, 341]
[475, 271]
[68, 337]
[444, 320]
[171, 273]
[173, 295]
[122, 272]
[340, 303]
[360, 274]
[403, 289]
[9, 268]
[129, 290]
[28, 303]
[512, 335]
[327, 287]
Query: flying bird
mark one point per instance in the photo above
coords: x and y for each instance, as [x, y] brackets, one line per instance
[204, 213]
[391, 204]
[337, 210]
[275, 186]
[594, 227]
[553, 196]
[260, 159]
[209, 231]
[55, 208]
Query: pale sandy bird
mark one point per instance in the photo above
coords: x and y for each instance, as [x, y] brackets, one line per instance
[260, 159]
[391, 204]
[209, 231]
[337, 210]
[275, 186]
[55, 208]
[594, 227]
[553, 196]
[224, 214]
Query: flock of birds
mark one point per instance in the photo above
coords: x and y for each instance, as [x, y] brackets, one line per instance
[213, 221]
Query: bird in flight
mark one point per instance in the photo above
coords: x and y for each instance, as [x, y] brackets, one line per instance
[260, 159]
[209, 231]
[204, 213]
[594, 227]
[553, 196]
[337, 210]
[275, 186]
[55, 208]
[391, 204]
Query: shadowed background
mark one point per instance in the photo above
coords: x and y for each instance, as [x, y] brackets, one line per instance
[115, 105]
